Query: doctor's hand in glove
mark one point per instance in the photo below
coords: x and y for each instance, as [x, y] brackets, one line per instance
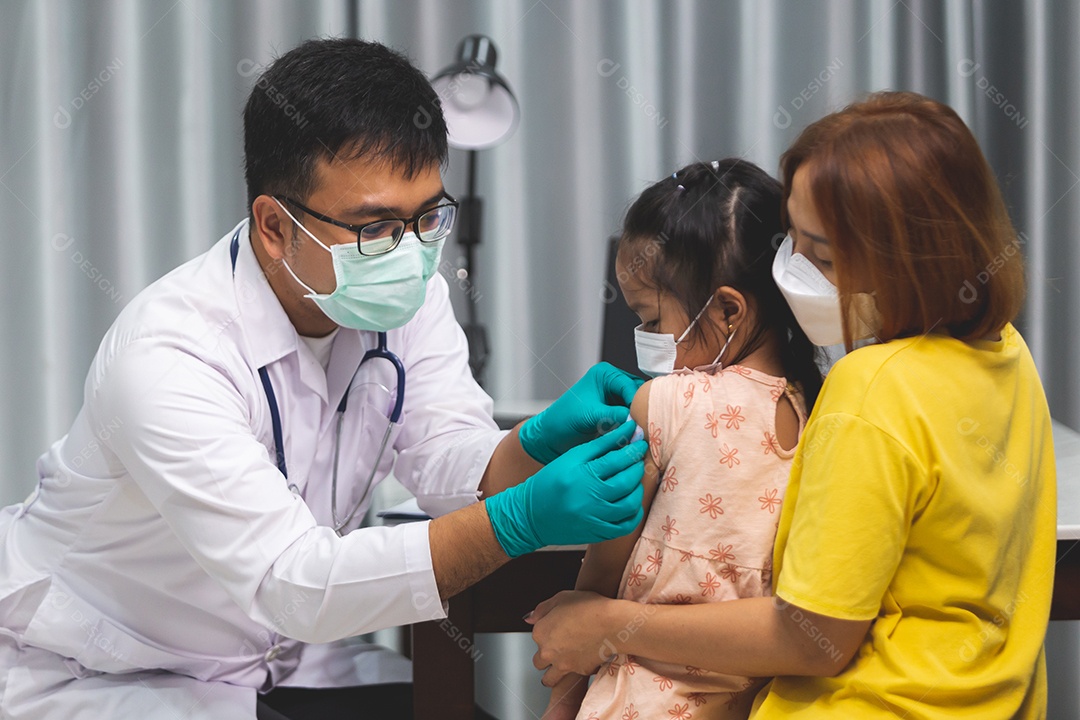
[589, 494]
[596, 403]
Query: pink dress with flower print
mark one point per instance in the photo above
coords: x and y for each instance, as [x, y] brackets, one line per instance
[709, 535]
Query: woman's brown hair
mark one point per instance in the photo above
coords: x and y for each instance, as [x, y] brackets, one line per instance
[912, 211]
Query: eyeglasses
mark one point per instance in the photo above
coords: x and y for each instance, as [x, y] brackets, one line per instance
[382, 236]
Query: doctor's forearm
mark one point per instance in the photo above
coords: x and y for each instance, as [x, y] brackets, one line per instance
[464, 549]
[509, 465]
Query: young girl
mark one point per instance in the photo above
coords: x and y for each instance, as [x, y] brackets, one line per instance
[694, 263]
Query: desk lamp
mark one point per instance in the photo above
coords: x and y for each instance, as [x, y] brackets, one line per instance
[481, 112]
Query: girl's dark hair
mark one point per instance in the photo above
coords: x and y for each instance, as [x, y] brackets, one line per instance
[716, 224]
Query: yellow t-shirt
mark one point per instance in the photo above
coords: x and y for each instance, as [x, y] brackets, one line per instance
[923, 496]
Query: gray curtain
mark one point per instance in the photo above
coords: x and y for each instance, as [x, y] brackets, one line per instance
[120, 157]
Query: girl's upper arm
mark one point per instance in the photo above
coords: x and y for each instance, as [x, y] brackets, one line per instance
[639, 411]
[639, 408]
[604, 562]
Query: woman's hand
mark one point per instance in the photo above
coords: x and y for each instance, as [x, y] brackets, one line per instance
[576, 631]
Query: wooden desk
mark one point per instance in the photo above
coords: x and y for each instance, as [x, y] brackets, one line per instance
[443, 662]
[443, 666]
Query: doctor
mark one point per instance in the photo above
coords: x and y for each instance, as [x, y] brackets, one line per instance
[193, 538]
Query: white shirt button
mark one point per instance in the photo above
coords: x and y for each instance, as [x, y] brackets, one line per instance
[272, 653]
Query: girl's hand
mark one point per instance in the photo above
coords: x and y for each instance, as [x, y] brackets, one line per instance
[575, 632]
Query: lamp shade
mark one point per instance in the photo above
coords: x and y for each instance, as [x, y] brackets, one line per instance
[480, 109]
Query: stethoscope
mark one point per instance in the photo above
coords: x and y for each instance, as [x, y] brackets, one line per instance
[379, 352]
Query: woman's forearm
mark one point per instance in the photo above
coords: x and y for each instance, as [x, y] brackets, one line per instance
[758, 637]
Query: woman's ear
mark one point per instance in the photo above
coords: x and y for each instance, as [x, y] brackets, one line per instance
[731, 308]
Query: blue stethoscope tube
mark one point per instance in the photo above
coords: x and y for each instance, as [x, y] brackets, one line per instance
[380, 351]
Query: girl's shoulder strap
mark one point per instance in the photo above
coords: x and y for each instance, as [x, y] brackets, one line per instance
[794, 393]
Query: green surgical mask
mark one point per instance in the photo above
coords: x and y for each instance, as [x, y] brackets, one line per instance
[375, 292]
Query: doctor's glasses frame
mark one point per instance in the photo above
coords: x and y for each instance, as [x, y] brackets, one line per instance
[381, 236]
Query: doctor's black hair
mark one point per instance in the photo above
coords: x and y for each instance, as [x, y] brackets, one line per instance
[338, 97]
[716, 224]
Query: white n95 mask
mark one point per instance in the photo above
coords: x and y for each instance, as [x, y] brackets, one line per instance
[656, 351]
[815, 301]
[374, 292]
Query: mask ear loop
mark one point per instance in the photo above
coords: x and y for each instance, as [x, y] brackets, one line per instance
[731, 334]
[301, 226]
[694, 321]
[311, 292]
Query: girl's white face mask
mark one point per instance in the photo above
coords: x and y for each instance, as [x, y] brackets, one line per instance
[656, 352]
[815, 301]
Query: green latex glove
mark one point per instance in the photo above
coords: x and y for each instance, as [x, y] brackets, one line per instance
[598, 402]
[590, 494]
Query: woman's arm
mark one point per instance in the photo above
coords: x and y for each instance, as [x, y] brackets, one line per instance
[759, 637]
[602, 570]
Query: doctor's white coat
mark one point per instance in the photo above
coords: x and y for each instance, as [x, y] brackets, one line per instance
[163, 567]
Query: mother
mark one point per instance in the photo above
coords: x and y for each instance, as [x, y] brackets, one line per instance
[915, 550]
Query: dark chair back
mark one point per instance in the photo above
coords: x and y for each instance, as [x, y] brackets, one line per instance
[617, 333]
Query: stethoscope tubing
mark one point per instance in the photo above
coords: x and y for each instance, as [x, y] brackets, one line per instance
[380, 351]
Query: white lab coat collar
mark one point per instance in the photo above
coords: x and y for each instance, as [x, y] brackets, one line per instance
[270, 334]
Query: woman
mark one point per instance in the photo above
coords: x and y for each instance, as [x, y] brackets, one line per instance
[915, 549]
